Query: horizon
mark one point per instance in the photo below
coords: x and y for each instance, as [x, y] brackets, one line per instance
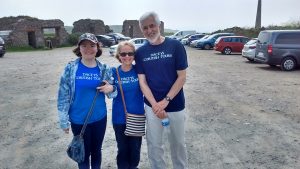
[199, 15]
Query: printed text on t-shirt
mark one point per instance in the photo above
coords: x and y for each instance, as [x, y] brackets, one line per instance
[158, 55]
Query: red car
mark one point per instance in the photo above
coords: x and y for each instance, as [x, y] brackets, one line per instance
[228, 44]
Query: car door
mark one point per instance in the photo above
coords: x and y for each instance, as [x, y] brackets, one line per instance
[234, 44]
[240, 42]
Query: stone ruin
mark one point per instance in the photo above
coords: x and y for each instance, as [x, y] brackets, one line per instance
[96, 27]
[28, 31]
[132, 29]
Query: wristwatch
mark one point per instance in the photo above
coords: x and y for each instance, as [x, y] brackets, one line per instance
[168, 98]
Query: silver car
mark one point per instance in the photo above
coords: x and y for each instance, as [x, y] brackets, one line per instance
[136, 41]
[249, 49]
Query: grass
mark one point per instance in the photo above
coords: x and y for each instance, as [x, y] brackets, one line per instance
[24, 49]
[29, 48]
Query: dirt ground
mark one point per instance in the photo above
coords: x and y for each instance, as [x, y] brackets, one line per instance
[241, 115]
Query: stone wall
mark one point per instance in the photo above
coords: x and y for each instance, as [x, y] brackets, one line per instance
[27, 31]
[132, 29]
[88, 25]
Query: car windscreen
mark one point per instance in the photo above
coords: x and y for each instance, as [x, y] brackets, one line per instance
[105, 36]
[263, 37]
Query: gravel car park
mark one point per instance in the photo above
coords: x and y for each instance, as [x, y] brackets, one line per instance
[239, 115]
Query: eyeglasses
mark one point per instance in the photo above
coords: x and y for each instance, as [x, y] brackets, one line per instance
[124, 54]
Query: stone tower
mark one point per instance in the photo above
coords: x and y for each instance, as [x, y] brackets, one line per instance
[258, 16]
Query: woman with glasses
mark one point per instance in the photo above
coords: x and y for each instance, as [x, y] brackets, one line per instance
[129, 147]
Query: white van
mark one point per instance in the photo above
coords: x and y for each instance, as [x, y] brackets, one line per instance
[181, 34]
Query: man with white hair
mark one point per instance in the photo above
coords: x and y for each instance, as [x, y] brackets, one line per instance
[161, 67]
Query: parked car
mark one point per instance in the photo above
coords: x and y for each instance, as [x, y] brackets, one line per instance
[194, 37]
[118, 37]
[138, 42]
[279, 47]
[209, 42]
[106, 40]
[2, 47]
[181, 34]
[195, 42]
[249, 49]
[186, 36]
[228, 44]
[184, 39]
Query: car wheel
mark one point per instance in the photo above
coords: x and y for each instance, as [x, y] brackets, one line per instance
[1, 55]
[251, 60]
[227, 51]
[206, 46]
[288, 64]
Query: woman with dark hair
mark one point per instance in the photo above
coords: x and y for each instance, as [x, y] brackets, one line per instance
[78, 84]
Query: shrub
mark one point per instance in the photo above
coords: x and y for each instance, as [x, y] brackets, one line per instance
[73, 38]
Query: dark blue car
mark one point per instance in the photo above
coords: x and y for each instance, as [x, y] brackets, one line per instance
[194, 37]
[209, 42]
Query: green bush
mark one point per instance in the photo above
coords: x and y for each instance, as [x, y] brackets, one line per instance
[73, 38]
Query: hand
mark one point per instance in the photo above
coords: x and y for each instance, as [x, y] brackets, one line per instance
[156, 108]
[159, 111]
[66, 130]
[105, 87]
[162, 114]
[163, 103]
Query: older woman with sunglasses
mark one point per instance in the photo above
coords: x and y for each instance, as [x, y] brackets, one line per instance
[129, 147]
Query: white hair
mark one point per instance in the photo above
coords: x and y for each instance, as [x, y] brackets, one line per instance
[148, 15]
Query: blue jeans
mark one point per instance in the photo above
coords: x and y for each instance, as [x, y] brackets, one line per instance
[129, 148]
[93, 138]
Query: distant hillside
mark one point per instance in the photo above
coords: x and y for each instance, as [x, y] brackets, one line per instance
[170, 30]
[69, 29]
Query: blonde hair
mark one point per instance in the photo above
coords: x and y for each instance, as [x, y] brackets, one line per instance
[122, 44]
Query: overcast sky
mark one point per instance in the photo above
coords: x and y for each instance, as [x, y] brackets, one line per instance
[199, 15]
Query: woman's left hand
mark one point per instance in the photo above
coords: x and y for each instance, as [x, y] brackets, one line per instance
[106, 87]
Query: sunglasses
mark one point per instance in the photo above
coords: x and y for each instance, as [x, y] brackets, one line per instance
[124, 54]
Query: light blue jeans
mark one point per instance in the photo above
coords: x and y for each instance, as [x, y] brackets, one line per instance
[176, 138]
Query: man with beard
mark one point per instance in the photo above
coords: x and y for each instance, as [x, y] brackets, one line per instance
[161, 67]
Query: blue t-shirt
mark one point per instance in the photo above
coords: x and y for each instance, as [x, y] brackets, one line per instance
[160, 63]
[132, 94]
[87, 79]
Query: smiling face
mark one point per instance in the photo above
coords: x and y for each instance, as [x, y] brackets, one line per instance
[88, 49]
[151, 30]
[126, 55]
